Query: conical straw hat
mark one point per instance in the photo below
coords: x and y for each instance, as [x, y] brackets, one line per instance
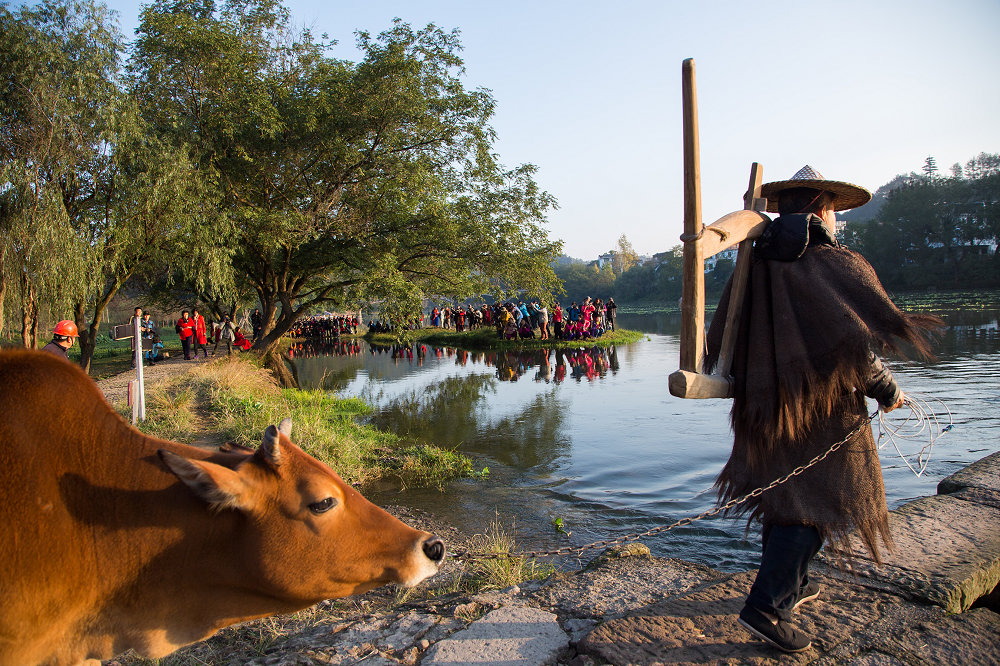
[845, 195]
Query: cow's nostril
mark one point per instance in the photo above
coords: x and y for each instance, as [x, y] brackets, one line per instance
[434, 549]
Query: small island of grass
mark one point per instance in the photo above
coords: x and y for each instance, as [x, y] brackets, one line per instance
[486, 338]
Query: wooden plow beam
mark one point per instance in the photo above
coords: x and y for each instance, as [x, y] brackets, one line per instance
[701, 242]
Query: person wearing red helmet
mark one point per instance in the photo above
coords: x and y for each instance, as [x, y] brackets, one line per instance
[62, 338]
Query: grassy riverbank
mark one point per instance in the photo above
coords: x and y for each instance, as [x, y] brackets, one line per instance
[234, 399]
[483, 339]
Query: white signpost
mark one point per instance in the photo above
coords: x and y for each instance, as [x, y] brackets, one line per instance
[136, 387]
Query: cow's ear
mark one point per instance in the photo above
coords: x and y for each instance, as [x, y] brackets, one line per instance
[220, 486]
[270, 448]
[285, 427]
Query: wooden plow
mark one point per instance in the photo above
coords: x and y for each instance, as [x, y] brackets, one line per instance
[701, 242]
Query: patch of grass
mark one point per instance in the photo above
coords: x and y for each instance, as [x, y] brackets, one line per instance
[427, 466]
[234, 399]
[508, 568]
[932, 301]
[170, 414]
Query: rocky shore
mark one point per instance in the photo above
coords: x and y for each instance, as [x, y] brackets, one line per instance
[935, 601]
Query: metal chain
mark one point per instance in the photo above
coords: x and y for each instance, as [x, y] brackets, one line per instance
[566, 550]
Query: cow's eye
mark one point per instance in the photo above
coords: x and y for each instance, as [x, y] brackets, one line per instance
[323, 505]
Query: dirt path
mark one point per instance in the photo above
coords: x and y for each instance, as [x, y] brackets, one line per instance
[115, 388]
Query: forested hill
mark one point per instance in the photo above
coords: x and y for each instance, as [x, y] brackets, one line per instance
[920, 231]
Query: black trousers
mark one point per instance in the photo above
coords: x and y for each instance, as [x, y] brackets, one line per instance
[186, 343]
[784, 567]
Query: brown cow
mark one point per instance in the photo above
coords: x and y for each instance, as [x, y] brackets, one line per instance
[114, 540]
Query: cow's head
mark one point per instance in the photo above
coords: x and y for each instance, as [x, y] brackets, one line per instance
[310, 535]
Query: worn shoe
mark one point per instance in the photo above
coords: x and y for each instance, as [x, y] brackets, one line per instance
[807, 594]
[780, 634]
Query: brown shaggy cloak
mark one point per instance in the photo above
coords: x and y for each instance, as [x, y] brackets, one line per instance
[805, 336]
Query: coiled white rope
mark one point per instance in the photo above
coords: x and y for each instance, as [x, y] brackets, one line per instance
[921, 423]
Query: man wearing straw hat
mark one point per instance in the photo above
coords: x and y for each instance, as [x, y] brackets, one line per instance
[812, 315]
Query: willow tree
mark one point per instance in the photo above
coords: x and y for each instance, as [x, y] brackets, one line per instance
[348, 182]
[58, 66]
[93, 196]
[155, 214]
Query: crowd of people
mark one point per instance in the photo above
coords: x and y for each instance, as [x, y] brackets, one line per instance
[194, 334]
[521, 320]
[321, 333]
[325, 326]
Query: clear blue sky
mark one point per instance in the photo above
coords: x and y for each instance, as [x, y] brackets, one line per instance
[590, 92]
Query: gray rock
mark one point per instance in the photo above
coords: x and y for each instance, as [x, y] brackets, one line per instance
[947, 552]
[611, 587]
[848, 623]
[983, 474]
[513, 636]
[577, 628]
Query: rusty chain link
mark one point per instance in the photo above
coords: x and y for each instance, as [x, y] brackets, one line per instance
[465, 554]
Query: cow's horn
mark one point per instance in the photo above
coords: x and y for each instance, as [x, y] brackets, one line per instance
[285, 427]
[269, 447]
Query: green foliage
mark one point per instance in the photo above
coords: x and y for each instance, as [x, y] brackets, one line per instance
[581, 280]
[97, 197]
[234, 159]
[348, 182]
[557, 523]
[936, 232]
[58, 65]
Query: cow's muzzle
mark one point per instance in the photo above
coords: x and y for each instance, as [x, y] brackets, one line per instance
[434, 549]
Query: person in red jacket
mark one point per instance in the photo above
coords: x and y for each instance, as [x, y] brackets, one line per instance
[185, 329]
[200, 334]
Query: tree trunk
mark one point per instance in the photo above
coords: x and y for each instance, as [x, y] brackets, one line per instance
[29, 314]
[88, 330]
[3, 288]
[267, 314]
[282, 369]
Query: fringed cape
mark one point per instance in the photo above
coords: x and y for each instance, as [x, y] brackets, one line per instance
[801, 360]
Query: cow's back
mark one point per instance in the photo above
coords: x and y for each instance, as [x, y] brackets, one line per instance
[55, 425]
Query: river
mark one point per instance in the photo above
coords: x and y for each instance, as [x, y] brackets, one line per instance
[595, 439]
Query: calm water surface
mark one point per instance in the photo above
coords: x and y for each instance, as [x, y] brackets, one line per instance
[595, 438]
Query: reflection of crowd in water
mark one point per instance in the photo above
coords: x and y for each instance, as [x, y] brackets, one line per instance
[543, 365]
[315, 348]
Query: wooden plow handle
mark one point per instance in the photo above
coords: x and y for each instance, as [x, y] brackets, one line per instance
[701, 242]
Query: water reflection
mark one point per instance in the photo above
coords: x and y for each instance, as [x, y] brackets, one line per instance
[542, 365]
[455, 412]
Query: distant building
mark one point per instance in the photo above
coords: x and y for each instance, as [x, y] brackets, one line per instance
[729, 253]
[606, 258]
